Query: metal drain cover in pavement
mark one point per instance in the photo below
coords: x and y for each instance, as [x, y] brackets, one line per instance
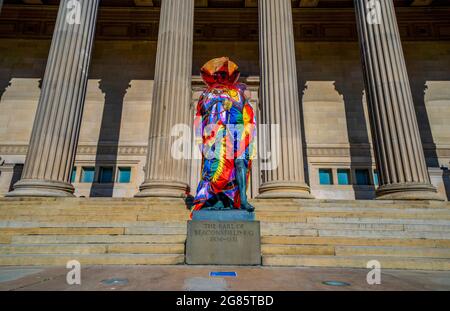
[336, 283]
[115, 281]
[15, 274]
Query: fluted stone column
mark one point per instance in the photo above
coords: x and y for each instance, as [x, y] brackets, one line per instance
[54, 137]
[398, 147]
[280, 102]
[167, 176]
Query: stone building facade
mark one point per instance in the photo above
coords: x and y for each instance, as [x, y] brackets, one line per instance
[313, 66]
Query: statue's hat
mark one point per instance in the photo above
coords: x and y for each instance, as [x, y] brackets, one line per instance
[220, 71]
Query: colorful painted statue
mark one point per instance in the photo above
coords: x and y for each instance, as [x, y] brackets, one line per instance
[225, 122]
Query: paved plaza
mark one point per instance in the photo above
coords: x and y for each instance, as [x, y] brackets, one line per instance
[197, 278]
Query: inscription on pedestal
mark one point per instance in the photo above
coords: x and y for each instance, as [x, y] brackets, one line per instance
[223, 243]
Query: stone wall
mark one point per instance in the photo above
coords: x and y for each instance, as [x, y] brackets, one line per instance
[115, 122]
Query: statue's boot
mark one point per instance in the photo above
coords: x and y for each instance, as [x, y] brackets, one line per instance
[218, 205]
[241, 176]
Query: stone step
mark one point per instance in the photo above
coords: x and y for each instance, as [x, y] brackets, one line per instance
[95, 218]
[272, 249]
[302, 216]
[362, 208]
[269, 231]
[281, 218]
[60, 231]
[299, 216]
[306, 229]
[410, 235]
[294, 217]
[85, 212]
[104, 224]
[101, 239]
[263, 208]
[311, 217]
[275, 203]
[91, 259]
[293, 210]
[5, 239]
[127, 221]
[345, 241]
[74, 218]
[156, 230]
[92, 249]
[439, 228]
[392, 251]
[52, 249]
[378, 220]
[332, 202]
[166, 216]
[93, 200]
[77, 209]
[357, 262]
[359, 204]
[353, 233]
[378, 215]
[334, 226]
[379, 203]
[385, 234]
[87, 208]
[355, 226]
[146, 248]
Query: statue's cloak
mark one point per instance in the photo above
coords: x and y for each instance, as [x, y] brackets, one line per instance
[225, 122]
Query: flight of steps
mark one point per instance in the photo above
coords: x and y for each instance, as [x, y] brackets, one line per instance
[92, 231]
[400, 235]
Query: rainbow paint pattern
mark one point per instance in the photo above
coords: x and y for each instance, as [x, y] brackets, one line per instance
[226, 124]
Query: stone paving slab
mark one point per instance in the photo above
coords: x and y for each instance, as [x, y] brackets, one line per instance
[196, 278]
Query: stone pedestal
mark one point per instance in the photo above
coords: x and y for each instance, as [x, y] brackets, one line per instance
[439, 179]
[219, 215]
[6, 175]
[215, 242]
[446, 179]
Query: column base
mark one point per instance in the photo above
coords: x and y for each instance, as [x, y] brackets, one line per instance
[408, 191]
[284, 190]
[41, 188]
[164, 189]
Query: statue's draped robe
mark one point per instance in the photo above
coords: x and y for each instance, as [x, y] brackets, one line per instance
[219, 105]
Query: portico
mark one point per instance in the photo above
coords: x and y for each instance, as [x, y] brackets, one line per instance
[398, 149]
